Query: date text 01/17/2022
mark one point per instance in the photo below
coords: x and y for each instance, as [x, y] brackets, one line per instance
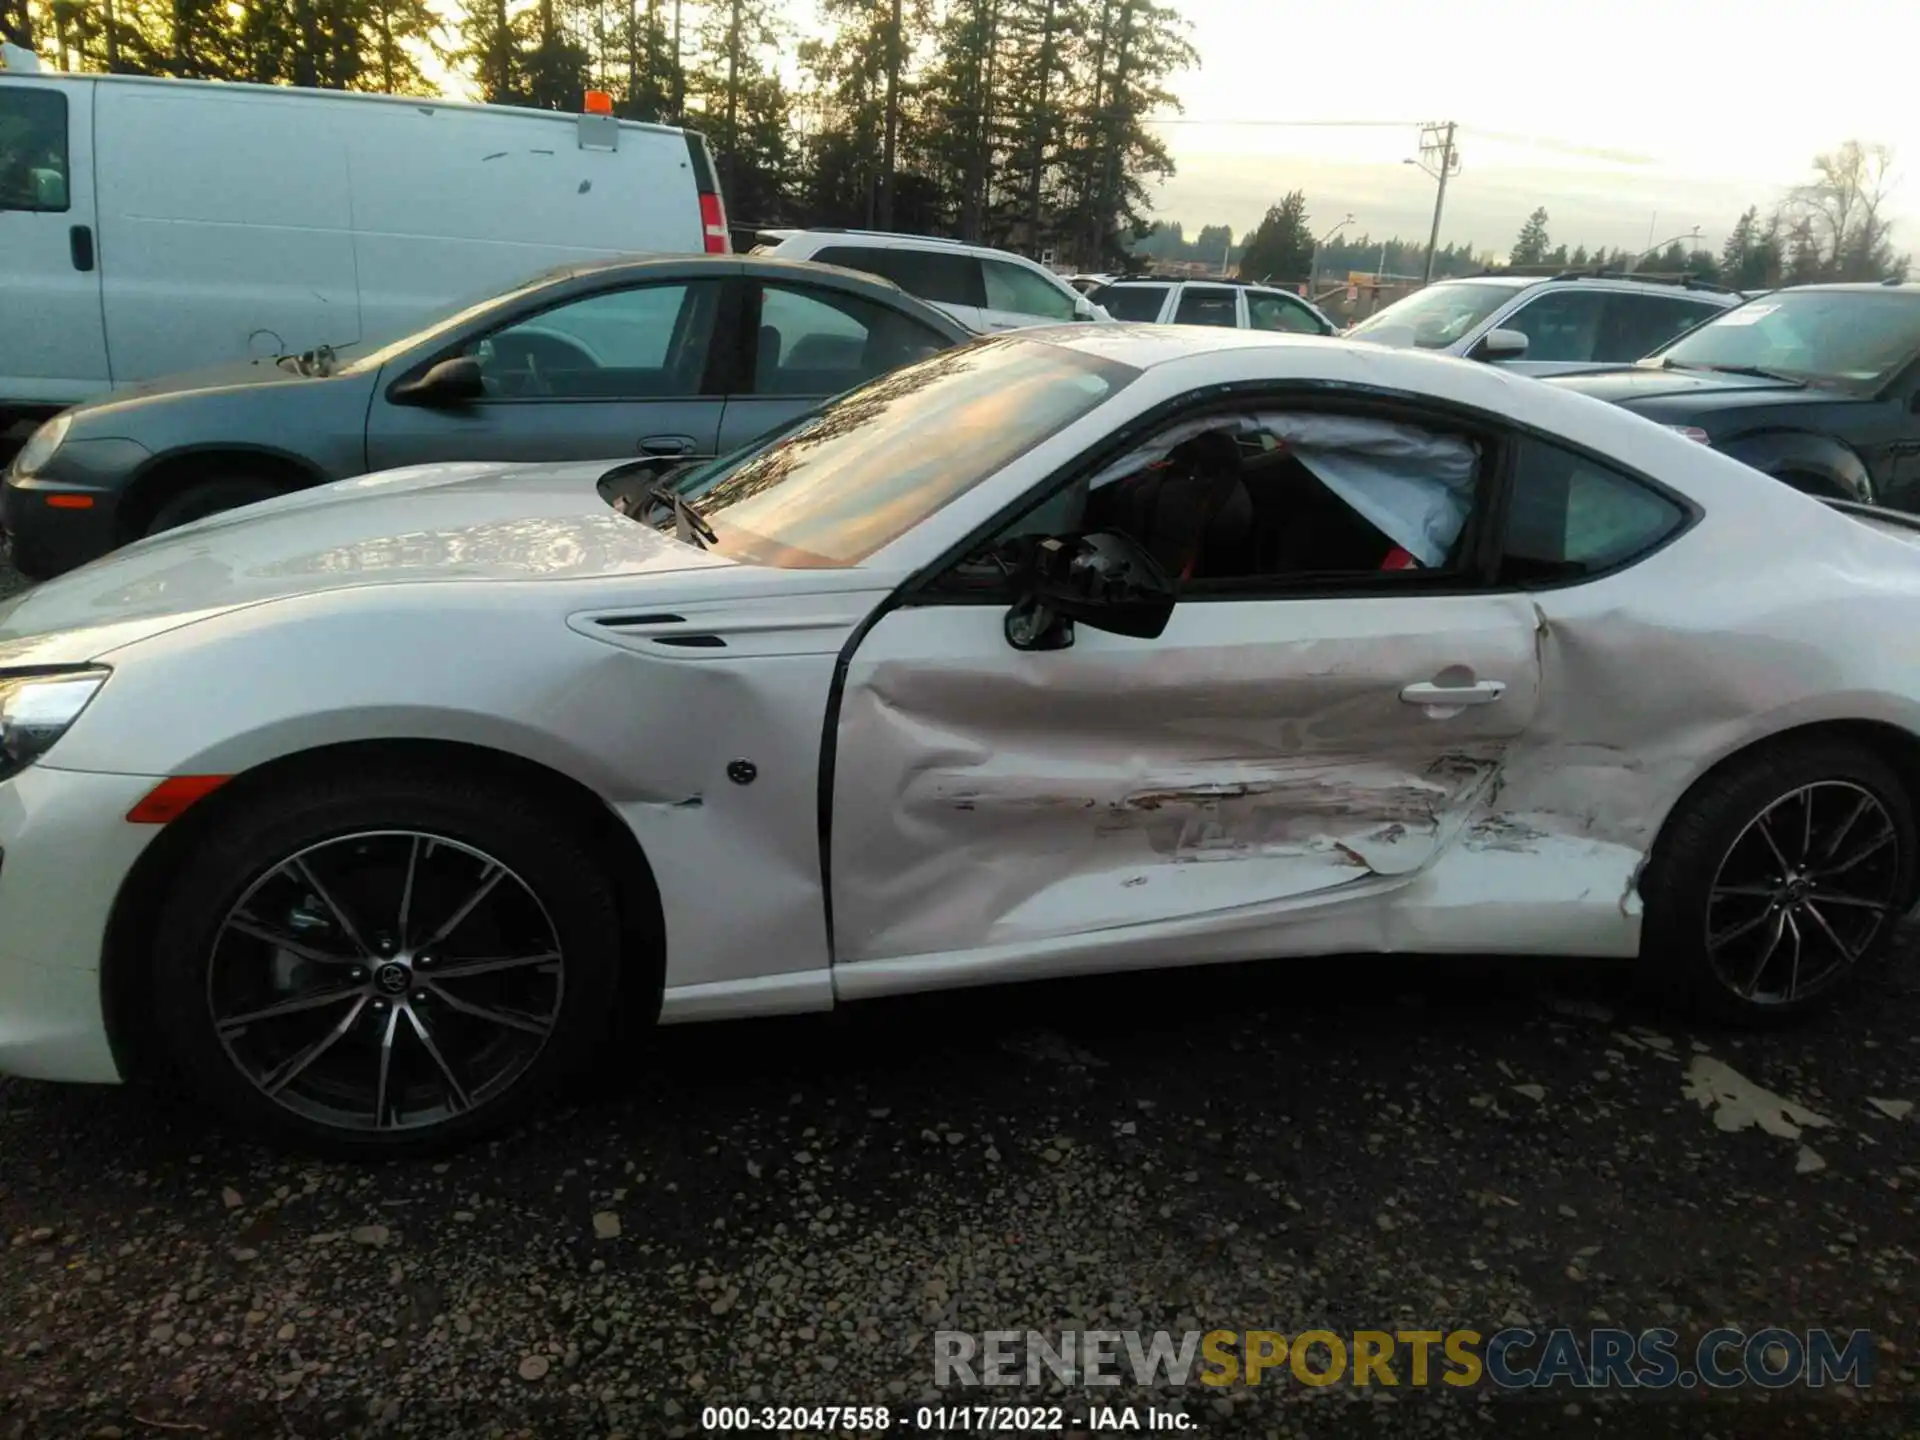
[945, 1419]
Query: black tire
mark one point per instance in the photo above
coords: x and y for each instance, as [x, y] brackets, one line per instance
[211, 497]
[1716, 864]
[199, 964]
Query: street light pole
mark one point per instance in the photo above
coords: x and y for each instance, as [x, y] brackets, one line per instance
[1693, 234]
[1313, 270]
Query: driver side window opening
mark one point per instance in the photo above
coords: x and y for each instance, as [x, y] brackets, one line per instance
[1270, 500]
[648, 342]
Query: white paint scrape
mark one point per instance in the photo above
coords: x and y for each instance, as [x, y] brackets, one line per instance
[1738, 1103]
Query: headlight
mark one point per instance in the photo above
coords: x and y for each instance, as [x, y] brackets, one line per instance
[36, 710]
[1692, 432]
[40, 445]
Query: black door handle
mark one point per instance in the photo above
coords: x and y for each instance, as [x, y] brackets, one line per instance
[80, 246]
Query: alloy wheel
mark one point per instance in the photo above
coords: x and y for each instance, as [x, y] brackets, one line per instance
[384, 981]
[1803, 893]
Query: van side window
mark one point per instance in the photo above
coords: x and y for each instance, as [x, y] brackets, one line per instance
[1571, 517]
[33, 148]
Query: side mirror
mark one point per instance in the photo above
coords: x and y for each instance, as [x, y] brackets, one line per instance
[1502, 345]
[1103, 580]
[452, 382]
[1083, 309]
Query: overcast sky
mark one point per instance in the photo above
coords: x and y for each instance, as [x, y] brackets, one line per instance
[1645, 115]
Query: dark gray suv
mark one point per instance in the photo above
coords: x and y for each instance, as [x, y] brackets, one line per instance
[688, 356]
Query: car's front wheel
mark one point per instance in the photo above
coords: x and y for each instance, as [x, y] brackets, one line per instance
[211, 497]
[385, 963]
[1780, 878]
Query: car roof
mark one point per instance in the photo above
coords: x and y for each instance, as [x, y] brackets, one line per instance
[763, 266]
[898, 240]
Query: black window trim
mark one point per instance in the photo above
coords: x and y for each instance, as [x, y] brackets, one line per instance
[726, 321]
[66, 151]
[1477, 576]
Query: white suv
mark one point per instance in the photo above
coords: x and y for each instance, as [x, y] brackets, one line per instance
[1231, 304]
[983, 289]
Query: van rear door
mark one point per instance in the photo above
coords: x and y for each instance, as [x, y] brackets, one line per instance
[53, 348]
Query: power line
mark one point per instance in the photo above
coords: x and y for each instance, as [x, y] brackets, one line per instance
[1290, 124]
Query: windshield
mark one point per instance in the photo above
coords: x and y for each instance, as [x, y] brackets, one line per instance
[866, 468]
[1855, 339]
[451, 319]
[1438, 315]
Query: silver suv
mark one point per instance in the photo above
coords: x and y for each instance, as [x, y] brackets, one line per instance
[1547, 324]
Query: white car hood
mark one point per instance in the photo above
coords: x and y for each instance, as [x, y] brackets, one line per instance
[422, 524]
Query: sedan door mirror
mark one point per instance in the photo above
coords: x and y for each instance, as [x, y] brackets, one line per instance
[452, 382]
[1502, 345]
[1103, 580]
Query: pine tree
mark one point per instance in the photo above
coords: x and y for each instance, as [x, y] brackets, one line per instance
[745, 111]
[1132, 48]
[1741, 241]
[1531, 247]
[958, 113]
[1281, 246]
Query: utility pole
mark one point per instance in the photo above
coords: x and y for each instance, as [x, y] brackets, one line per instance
[891, 138]
[1439, 158]
[679, 72]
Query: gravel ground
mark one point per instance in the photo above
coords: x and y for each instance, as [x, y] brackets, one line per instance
[781, 1212]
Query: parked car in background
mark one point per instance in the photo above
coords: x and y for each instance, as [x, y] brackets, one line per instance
[1818, 385]
[1231, 304]
[370, 812]
[984, 289]
[674, 357]
[1087, 284]
[1546, 324]
[152, 226]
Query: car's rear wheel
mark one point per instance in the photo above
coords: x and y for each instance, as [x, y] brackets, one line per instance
[385, 963]
[1780, 879]
[210, 497]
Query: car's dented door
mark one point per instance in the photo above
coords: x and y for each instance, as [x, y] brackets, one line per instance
[1000, 810]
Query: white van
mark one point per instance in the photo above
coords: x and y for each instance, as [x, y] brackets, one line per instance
[151, 226]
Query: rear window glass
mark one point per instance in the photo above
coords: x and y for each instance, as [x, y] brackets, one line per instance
[943, 277]
[1571, 517]
[1207, 305]
[1139, 303]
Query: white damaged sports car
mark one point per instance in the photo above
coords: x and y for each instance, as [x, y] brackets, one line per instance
[368, 810]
